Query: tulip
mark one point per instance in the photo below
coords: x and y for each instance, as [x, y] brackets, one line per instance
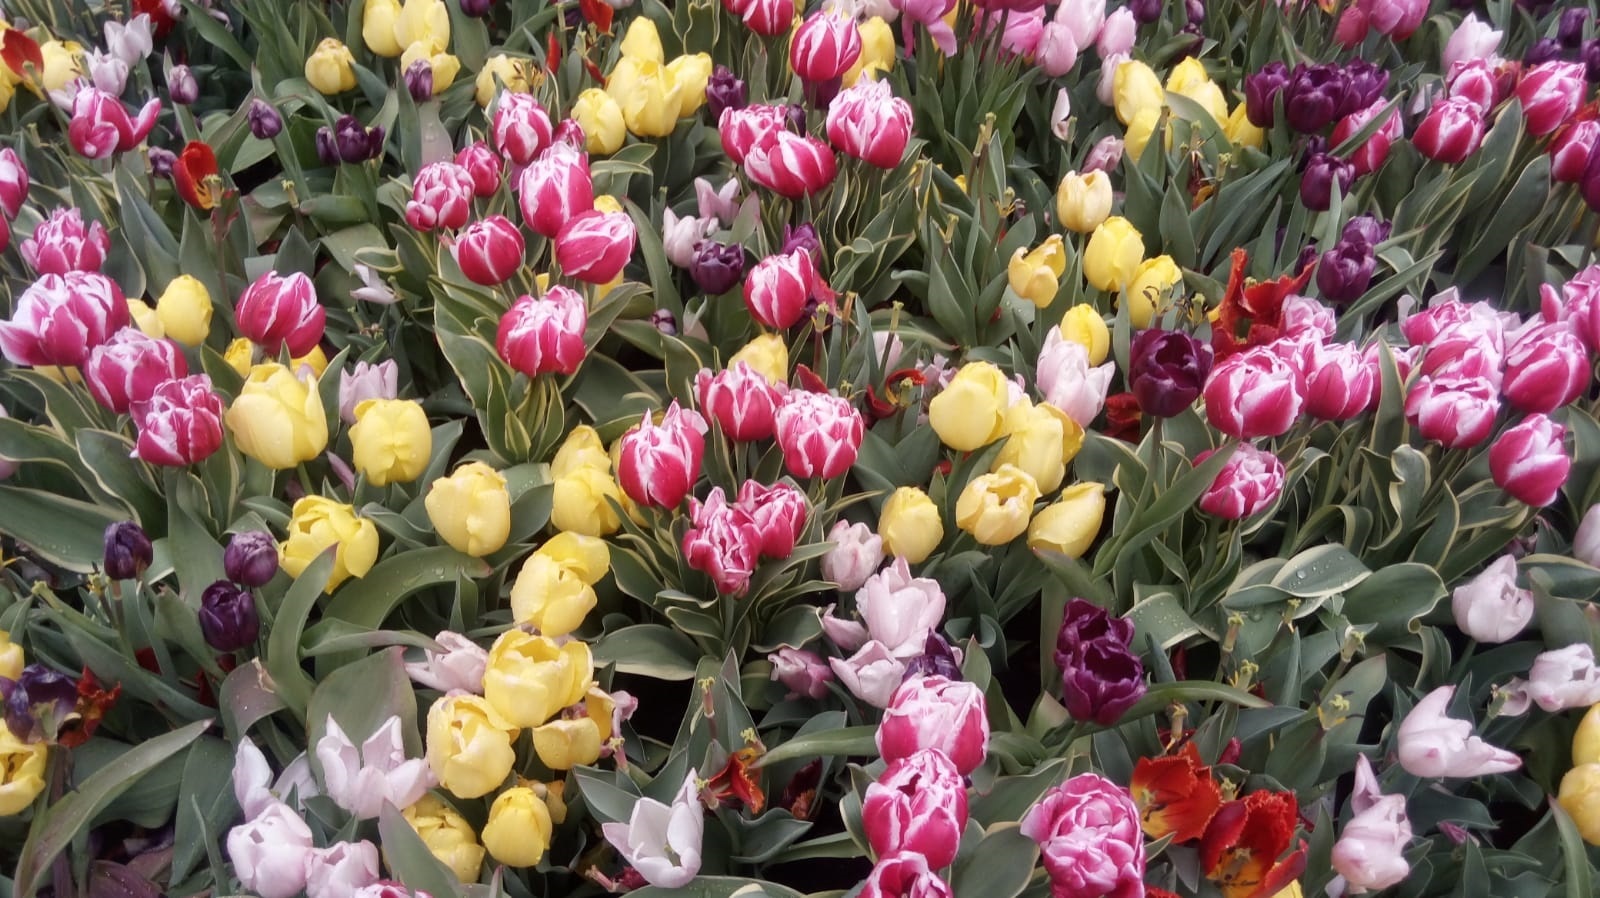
[904, 875]
[779, 513]
[276, 312]
[63, 243]
[1253, 394]
[681, 236]
[900, 611]
[469, 745]
[269, 853]
[457, 666]
[13, 182]
[1071, 523]
[61, 318]
[184, 311]
[545, 335]
[1135, 89]
[1570, 150]
[519, 828]
[1088, 834]
[1083, 201]
[391, 442]
[1034, 274]
[1472, 39]
[662, 841]
[362, 779]
[659, 464]
[377, 27]
[1550, 93]
[1167, 370]
[1490, 607]
[1546, 368]
[364, 382]
[521, 128]
[251, 558]
[936, 713]
[577, 738]
[872, 674]
[1578, 795]
[1529, 462]
[791, 165]
[1146, 294]
[1039, 440]
[918, 805]
[820, 433]
[127, 551]
[1249, 482]
[277, 418]
[582, 502]
[489, 251]
[594, 246]
[767, 355]
[1340, 380]
[855, 555]
[969, 413]
[1068, 382]
[1322, 171]
[11, 659]
[1586, 740]
[1370, 851]
[1432, 744]
[100, 124]
[331, 67]
[741, 129]
[1586, 542]
[555, 188]
[1451, 131]
[803, 673]
[447, 835]
[824, 47]
[722, 542]
[1457, 411]
[228, 618]
[740, 400]
[869, 123]
[483, 166]
[1112, 257]
[317, 524]
[180, 424]
[1100, 677]
[778, 288]
[341, 869]
[1345, 272]
[1261, 91]
[471, 509]
[650, 95]
[909, 525]
[1563, 678]
[425, 22]
[441, 197]
[127, 368]
[502, 71]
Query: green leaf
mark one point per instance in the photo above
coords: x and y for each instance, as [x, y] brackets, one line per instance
[1321, 571]
[1011, 796]
[370, 600]
[65, 532]
[283, 645]
[649, 650]
[845, 741]
[53, 830]
[1580, 875]
[409, 859]
[361, 697]
[1000, 867]
[205, 802]
[719, 887]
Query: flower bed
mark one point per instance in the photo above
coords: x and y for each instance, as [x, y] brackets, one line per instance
[883, 448]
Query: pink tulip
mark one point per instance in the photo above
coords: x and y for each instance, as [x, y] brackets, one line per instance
[1456, 411]
[544, 335]
[1475, 80]
[868, 122]
[1253, 394]
[1490, 607]
[554, 189]
[1529, 462]
[63, 243]
[1546, 369]
[918, 805]
[768, 18]
[904, 875]
[933, 712]
[856, 554]
[441, 197]
[791, 165]
[1104, 156]
[101, 126]
[1451, 131]
[270, 852]
[362, 779]
[13, 183]
[457, 665]
[1057, 51]
[722, 542]
[594, 246]
[180, 424]
[820, 434]
[1564, 678]
[1578, 303]
[1370, 852]
[1340, 380]
[719, 204]
[484, 167]
[1472, 39]
[1085, 19]
[849, 635]
[1433, 745]
[929, 14]
[779, 512]
[741, 129]
[276, 311]
[340, 869]
[1088, 834]
[900, 610]
[489, 251]
[1117, 35]
[803, 672]
[521, 128]
[1068, 382]
[61, 317]
[1396, 18]
[1550, 93]
[824, 47]
[1569, 151]
[777, 289]
[1374, 151]
[128, 367]
[658, 464]
[366, 381]
[740, 400]
[1304, 317]
[1444, 315]
[1021, 34]
[1249, 481]
[871, 674]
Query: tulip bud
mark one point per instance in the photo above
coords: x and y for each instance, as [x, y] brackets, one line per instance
[939, 714]
[1167, 370]
[1088, 834]
[1314, 96]
[63, 243]
[471, 509]
[716, 267]
[1457, 411]
[740, 400]
[251, 558]
[1034, 274]
[277, 312]
[1529, 462]
[918, 805]
[820, 433]
[1253, 394]
[555, 188]
[441, 197]
[1261, 91]
[1546, 369]
[331, 67]
[484, 167]
[1451, 131]
[1550, 93]
[1491, 607]
[868, 122]
[779, 513]
[791, 165]
[101, 127]
[181, 85]
[60, 318]
[489, 251]
[469, 745]
[228, 618]
[127, 550]
[264, 120]
[1472, 39]
[722, 542]
[824, 47]
[909, 525]
[180, 424]
[1586, 740]
[659, 464]
[595, 246]
[1083, 201]
[545, 335]
[390, 442]
[1346, 270]
[521, 128]
[1113, 255]
[855, 556]
[725, 90]
[13, 183]
[778, 288]
[768, 355]
[1249, 482]
[128, 368]
[418, 77]
[519, 828]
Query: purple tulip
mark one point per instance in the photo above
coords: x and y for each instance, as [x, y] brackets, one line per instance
[1316, 185]
[1167, 370]
[1569, 30]
[1146, 11]
[265, 122]
[327, 147]
[1367, 228]
[725, 90]
[937, 659]
[716, 267]
[1101, 677]
[419, 80]
[182, 86]
[1313, 97]
[1346, 270]
[664, 321]
[1542, 50]
[38, 702]
[802, 237]
[1591, 61]
[161, 162]
[477, 8]
[1589, 184]
[228, 618]
[251, 558]
[127, 550]
[355, 141]
[1195, 10]
[1365, 83]
[1083, 622]
[1261, 90]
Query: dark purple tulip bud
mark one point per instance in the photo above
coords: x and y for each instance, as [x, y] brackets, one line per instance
[1589, 184]
[569, 132]
[1591, 61]
[1145, 11]
[725, 90]
[327, 147]
[251, 558]
[265, 122]
[127, 550]
[1313, 97]
[1261, 93]
[1367, 228]
[1322, 171]
[1569, 30]
[355, 141]
[797, 117]
[1195, 10]
[664, 321]
[802, 237]
[228, 618]
[161, 162]
[1365, 85]
[1102, 683]
[1542, 50]
[716, 267]
[820, 93]
[419, 80]
[38, 703]
[181, 85]
[1308, 254]
[1083, 622]
[1346, 270]
[477, 8]
[937, 659]
[1167, 370]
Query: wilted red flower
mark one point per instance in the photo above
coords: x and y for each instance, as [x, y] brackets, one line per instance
[1122, 417]
[1242, 850]
[597, 13]
[19, 51]
[93, 702]
[163, 14]
[195, 176]
[1175, 794]
[735, 782]
[1252, 315]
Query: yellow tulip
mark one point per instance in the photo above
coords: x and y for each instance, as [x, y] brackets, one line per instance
[1292, 890]
[390, 440]
[185, 310]
[449, 837]
[1113, 255]
[469, 745]
[649, 97]
[601, 120]
[1189, 79]
[519, 827]
[568, 742]
[21, 772]
[1039, 439]
[588, 558]
[1083, 201]
[969, 413]
[605, 202]
[1242, 132]
[529, 678]
[1140, 130]
[1152, 281]
[1084, 325]
[643, 42]
[909, 525]
[768, 355]
[471, 509]
[377, 27]
[331, 67]
[1036, 275]
[445, 66]
[549, 596]
[690, 72]
[515, 75]
[581, 449]
[877, 50]
[425, 22]
[1585, 742]
[240, 355]
[996, 507]
[579, 502]
[314, 361]
[277, 418]
[318, 522]
[146, 319]
[63, 63]
[11, 657]
[1580, 798]
[1070, 524]
[1135, 89]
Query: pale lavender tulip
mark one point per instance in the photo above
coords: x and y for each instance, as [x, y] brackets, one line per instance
[341, 869]
[366, 381]
[457, 666]
[361, 780]
[1432, 744]
[270, 853]
[1370, 852]
[855, 556]
[662, 841]
[872, 674]
[900, 610]
[1491, 607]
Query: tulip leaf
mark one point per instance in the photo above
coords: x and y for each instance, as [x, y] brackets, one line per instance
[410, 860]
[1011, 796]
[1000, 867]
[361, 697]
[649, 650]
[289, 681]
[1574, 854]
[63, 531]
[54, 829]
[845, 741]
[719, 887]
[370, 600]
[206, 802]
